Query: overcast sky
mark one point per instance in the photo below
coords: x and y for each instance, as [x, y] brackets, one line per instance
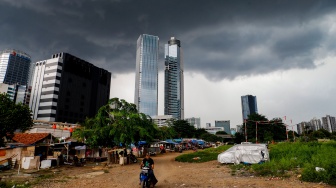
[281, 51]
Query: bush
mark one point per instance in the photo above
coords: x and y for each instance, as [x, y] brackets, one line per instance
[303, 157]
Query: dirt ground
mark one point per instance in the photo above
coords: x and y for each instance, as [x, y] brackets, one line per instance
[169, 174]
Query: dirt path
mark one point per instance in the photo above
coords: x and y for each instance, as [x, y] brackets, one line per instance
[170, 174]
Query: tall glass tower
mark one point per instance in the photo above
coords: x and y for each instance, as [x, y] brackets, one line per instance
[15, 67]
[146, 76]
[174, 80]
[249, 105]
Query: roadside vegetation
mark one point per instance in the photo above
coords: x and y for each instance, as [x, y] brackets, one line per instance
[201, 156]
[311, 161]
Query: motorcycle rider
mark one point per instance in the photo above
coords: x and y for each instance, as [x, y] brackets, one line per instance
[149, 162]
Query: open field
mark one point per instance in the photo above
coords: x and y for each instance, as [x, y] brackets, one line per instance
[169, 173]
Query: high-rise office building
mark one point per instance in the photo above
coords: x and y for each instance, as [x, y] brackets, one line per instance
[249, 105]
[146, 76]
[15, 67]
[68, 89]
[174, 80]
[225, 124]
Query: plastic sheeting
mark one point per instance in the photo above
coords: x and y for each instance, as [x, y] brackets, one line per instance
[245, 153]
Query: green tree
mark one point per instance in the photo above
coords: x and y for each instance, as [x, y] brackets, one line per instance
[258, 126]
[12, 117]
[184, 129]
[210, 137]
[221, 132]
[117, 122]
[239, 138]
[199, 132]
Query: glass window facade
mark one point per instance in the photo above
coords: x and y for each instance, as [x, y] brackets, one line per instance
[146, 80]
[174, 84]
[249, 105]
[14, 67]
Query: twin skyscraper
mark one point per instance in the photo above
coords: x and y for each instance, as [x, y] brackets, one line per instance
[146, 77]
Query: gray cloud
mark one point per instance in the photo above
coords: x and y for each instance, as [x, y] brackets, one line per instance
[220, 39]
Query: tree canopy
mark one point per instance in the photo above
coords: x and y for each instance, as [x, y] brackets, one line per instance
[117, 122]
[12, 117]
[259, 128]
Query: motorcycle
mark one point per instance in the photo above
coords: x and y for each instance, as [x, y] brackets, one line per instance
[144, 178]
[133, 158]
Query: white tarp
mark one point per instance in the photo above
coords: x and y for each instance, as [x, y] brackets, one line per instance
[80, 147]
[26, 162]
[45, 164]
[244, 153]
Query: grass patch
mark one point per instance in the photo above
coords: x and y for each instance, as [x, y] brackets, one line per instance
[205, 155]
[301, 158]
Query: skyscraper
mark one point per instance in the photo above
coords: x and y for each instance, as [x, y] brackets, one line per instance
[15, 67]
[146, 76]
[174, 80]
[329, 123]
[249, 105]
[68, 89]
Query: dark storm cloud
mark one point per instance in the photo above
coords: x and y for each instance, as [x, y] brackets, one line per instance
[220, 39]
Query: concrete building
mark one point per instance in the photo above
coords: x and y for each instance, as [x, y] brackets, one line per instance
[225, 124]
[316, 124]
[146, 76]
[174, 80]
[196, 122]
[329, 123]
[214, 130]
[66, 88]
[162, 120]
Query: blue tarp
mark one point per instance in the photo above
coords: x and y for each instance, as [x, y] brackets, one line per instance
[170, 141]
[200, 142]
[142, 143]
[177, 140]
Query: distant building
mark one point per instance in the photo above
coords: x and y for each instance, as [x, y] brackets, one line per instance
[146, 76]
[208, 125]
[316, 124]
[162, 120]
[17, 93]
[196, 122]
[329, 123]
[240, 129]
[225, 124]
[15, 67]
[68, 89]
[214, 130]
[304, 127]
[249, 105]
[233, 131]
[174, 80]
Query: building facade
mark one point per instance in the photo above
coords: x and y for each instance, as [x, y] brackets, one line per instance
[66, 88]
[162, 120]
[225, 124]
[316, 124]
[17, 93]
[249, 105]
[15, 67]
[196, 122]
[174, 80]
[329, 123]
[146, 76]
